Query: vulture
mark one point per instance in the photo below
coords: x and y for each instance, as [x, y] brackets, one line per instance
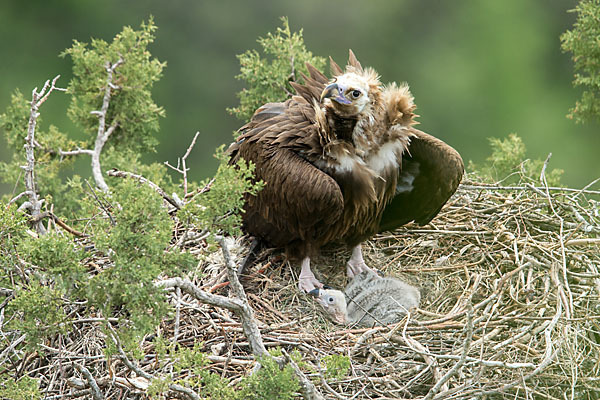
[341, 161]
[369, 300]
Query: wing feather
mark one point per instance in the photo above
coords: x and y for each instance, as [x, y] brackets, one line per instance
[430, 174]
[298, 202]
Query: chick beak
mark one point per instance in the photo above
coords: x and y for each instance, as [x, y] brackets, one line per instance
[314, 293]
[334, 92]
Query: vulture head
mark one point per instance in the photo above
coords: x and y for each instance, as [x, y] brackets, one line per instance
[352, 94]
[333, 302]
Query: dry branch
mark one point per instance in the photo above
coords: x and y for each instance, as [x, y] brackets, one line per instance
[37, 99]
[105, 128]
[141, 179]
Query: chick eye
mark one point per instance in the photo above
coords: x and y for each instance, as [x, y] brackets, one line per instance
[330, 299]
[355, 94]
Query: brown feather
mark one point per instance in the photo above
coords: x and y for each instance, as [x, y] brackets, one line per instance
[353, 61]
[335, 68]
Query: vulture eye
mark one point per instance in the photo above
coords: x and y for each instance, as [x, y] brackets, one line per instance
[330, 299]
[355, 94]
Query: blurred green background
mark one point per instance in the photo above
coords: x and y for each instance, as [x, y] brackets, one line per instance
[477, 68]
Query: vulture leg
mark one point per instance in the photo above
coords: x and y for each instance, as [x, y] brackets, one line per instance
[356, 263]
[307, 280]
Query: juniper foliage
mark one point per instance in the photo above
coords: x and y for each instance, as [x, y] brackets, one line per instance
[582, 42]
[268, 76]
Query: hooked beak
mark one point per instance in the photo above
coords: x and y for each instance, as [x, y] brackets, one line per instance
[335, 92]
[314, 293]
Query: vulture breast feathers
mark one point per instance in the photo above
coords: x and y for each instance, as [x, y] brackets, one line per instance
[341, 161]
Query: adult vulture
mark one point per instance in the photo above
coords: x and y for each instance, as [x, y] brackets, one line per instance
[341, 161]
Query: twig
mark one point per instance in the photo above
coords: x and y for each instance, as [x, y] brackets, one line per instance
[141, 179]
[17, 197]
[183, 170]
[435, 390]
[526, 187]
[96, 393]
[59, 222]
[104, 208]
[581, 242]
[132, 366]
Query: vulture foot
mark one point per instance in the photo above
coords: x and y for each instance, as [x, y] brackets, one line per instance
[356, 268]
[356, 263]
[307, 280]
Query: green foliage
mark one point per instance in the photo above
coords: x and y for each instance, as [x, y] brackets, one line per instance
[58, 260]
[508, 164]
[267, 78]
[209, 384]
[37, 311]
[270, 382]
[337, 366]
[13, 226]
[14, 124]
[131, 106]
[56, 274]
[218, 210]
[135, 245]
[24, 388]
[582, 43]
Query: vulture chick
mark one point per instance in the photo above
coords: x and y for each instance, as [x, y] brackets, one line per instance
[369, 300]
[341, 161]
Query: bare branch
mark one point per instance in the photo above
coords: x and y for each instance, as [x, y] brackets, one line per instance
[96, 393]
[434, 391]
[239, 305]
[183, 170]
[59, 222]
[75, 152]
[17, 197]
[103, 131]
[309, 391]
[140, 372]
[37, 99]
[124, 174]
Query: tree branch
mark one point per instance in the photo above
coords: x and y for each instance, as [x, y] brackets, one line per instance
[125, 174]
[95, 389]
[140, 372]
[239, 305]
[37, 99]
[103, 131]
[183, 170]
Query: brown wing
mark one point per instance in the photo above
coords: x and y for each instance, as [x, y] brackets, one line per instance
[300, 203]
[430, 174]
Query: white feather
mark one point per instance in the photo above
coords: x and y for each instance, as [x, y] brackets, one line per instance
[386, 156]
[407, 177]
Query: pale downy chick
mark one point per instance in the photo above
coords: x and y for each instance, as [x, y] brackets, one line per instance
[369, 300]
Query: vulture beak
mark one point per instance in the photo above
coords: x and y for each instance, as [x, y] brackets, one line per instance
[335, 92]
[314, 293]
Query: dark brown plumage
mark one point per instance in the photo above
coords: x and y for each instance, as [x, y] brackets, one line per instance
[342, 161]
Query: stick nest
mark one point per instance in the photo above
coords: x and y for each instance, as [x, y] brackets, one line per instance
[510, 285]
